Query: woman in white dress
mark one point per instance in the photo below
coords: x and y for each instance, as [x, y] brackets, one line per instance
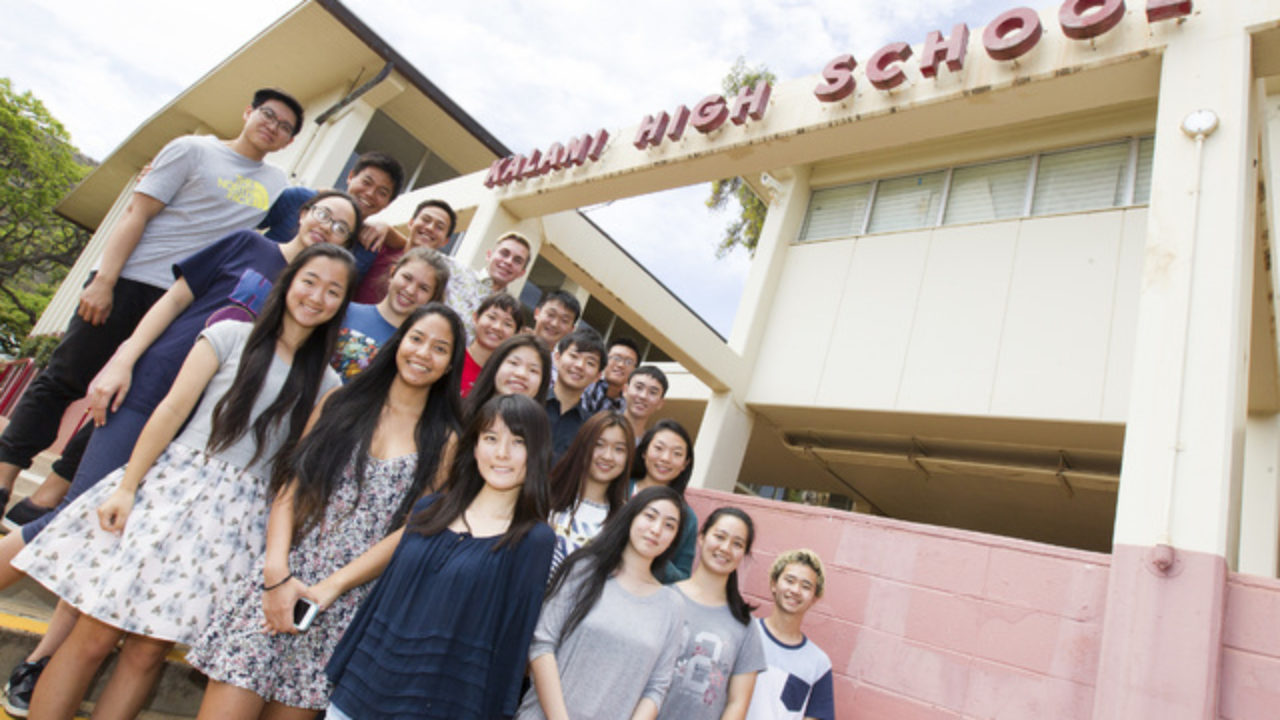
[146, 550]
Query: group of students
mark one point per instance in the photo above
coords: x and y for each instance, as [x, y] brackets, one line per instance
[263, 450]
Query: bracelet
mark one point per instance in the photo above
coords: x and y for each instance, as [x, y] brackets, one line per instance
[269, 588]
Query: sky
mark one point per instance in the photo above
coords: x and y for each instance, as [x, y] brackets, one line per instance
[531, 72]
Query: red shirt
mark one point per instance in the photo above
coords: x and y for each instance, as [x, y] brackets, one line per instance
[470, 371]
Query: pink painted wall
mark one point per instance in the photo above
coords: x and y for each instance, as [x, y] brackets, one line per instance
[924, 622]
[1251, 649]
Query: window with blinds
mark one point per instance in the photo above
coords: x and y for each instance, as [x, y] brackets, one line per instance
[836, 212]
[1115, 174]
[1086, 179]
[907, 203]
[995, 191]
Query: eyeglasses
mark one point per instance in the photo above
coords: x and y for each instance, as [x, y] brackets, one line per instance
[622, 360]
[339, 228]
[275, 121]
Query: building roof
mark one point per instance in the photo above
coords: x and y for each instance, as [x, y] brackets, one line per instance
[317, 45]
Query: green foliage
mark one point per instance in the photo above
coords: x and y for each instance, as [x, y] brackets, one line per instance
[38, 165]
[744, 229]
[39, 348]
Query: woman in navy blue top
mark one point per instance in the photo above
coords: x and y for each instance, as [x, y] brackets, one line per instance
[445, 632]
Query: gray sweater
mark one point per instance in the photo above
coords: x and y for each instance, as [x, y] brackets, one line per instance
[622, 651]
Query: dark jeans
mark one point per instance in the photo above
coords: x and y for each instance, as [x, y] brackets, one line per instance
[66, 465]
[109, 448]
[84, 349]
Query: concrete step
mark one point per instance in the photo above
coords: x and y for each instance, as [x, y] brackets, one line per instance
[26, 607]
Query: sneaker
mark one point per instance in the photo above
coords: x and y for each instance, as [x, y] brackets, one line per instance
[23, 513]
[22, 682]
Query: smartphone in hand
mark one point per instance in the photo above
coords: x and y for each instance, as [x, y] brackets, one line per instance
[304, 613]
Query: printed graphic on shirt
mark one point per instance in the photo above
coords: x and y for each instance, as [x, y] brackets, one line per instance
[245, 300]
[354, 353]
[705, 671]
[245, 191]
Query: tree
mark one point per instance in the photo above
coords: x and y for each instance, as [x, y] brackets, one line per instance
[744, 229]
[38, 164]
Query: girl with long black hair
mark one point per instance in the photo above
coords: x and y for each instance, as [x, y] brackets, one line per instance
[609, 631]
[373, 450]
[664, 458]
[144, 551]
[445, 632]
[521, 365]
[717, 666]
[589, 484]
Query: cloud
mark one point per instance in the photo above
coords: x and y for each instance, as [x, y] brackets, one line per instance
[530, 72]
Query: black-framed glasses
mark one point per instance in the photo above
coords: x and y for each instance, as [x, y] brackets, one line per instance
[339, 228]
[275, 121]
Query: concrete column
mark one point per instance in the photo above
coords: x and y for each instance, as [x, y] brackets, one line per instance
[490, 221]
[727, 422]
[326, 154]
[1177, 509]
[722, 443]
[781, 226]
[1260, 498]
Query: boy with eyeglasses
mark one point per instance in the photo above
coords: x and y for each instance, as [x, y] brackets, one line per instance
[374, 181]
[198, 189]
[606, 393]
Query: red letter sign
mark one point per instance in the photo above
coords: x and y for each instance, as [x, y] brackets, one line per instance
[750, 101]
[651, 129]
[879, 71]
[837, 76]
[1158, 10]
[1012, 34]
[709, 114]
[952, 48]
[1079, 24]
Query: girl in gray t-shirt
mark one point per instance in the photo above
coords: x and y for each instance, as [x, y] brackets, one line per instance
[720, 654]
[607, 637]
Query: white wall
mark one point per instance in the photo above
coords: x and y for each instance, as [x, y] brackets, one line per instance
[1025, 318]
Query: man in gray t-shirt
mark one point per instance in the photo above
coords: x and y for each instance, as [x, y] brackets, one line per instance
[198, 190]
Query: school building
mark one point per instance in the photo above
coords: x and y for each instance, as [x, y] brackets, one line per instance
[1014, 304]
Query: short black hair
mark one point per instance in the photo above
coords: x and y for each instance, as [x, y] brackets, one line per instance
[264, 94]
[503, 301]
[565, 298]
[385, 163]
[453, 216]
[586, 340]
[653, 372]
[625, 342]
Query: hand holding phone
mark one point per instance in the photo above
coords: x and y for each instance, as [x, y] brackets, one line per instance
[304, 613]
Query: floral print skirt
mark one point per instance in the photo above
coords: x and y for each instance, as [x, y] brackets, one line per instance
[196, 525]
[288, 668]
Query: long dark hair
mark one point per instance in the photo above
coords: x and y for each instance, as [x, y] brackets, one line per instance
[310, 361]
[351, 417]
[638, 469]
[602, 556]
[524, 418]
[569, 476]
[483, 389]
[355, 206]
[740, 608]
